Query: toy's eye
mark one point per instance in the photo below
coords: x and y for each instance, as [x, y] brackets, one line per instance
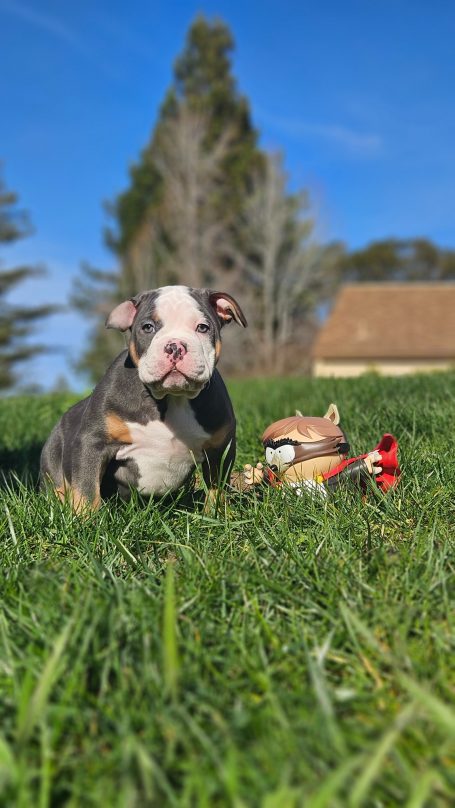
[269, 454]
[286, 453]
[148, 327]
[202, 328]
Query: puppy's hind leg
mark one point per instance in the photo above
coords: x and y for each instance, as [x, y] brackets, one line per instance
[51, 462]
[84, 469]
[74, 468]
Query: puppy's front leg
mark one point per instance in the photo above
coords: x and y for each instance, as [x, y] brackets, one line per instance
[216, 470]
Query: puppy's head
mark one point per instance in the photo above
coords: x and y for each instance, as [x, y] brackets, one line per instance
[175, 336]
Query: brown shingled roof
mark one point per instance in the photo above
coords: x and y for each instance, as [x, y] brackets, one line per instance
[390, 320]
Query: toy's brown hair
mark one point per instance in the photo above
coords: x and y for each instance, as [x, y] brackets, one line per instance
[323, 427]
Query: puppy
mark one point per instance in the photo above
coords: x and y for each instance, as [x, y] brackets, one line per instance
[161, 408]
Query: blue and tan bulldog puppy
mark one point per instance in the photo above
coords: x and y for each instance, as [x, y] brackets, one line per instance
[161, 408]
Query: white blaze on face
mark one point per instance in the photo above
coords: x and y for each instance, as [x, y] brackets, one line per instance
[178, 314]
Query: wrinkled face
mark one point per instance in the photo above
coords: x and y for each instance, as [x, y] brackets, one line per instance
[176, 340]
[175, 336]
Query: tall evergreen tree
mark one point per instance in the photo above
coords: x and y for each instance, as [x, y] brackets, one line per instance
[203, 82]
[16, 322]
[139, 236]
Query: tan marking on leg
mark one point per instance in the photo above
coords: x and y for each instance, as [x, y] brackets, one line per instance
[117, 429]
[218, 438]
[62, 490]
[79, 503]
[61, 493]
[211, 497]
[96, 501]
[133, 353]
[215, 500]
[211, 501]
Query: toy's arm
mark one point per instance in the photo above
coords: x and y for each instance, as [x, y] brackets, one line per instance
[253, 476]
[357, 470]
[249, 477]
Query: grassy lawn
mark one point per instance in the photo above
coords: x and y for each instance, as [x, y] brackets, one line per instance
[287, 653]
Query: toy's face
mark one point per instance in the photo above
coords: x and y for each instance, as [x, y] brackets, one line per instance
[283, 456]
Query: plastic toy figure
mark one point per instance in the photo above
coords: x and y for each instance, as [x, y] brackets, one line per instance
[311, 454]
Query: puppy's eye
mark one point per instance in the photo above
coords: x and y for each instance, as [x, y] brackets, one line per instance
[203, 328]
[148, 327]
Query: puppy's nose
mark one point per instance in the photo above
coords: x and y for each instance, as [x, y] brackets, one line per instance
[175, 350]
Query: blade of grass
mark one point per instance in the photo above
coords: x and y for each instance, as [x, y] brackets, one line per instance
[374, 764]
[169, 638]
[440, 712]
[423, 788]
[325, 795]
[8, 770]
[127, 554]
[37, 703]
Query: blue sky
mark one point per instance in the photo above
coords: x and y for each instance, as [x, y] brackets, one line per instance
[359, 95]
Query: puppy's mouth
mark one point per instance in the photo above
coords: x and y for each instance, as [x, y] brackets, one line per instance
[175, 371]
[177, 383]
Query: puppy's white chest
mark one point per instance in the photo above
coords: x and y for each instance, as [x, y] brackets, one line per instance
[166, 451]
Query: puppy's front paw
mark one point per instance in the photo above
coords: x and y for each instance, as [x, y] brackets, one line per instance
[215, 501]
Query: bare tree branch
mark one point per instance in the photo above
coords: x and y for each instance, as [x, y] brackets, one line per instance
[194, 236]
[281, 261]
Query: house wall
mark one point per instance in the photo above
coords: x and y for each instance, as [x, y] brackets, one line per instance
[385, 367]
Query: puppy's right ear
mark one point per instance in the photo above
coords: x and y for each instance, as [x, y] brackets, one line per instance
[122, 317]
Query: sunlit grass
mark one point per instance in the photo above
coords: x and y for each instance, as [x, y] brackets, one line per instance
[286, 653]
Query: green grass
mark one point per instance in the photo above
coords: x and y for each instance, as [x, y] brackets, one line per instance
[287, 653]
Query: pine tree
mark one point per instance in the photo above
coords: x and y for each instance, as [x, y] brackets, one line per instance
[203, 82]
[141, 237]
[16, 322]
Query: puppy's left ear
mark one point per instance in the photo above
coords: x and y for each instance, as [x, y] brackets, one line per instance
[227, 308]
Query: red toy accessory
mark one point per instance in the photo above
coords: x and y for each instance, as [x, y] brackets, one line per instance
[390, 470]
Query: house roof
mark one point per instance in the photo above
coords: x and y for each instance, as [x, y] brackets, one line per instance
[390, 321]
